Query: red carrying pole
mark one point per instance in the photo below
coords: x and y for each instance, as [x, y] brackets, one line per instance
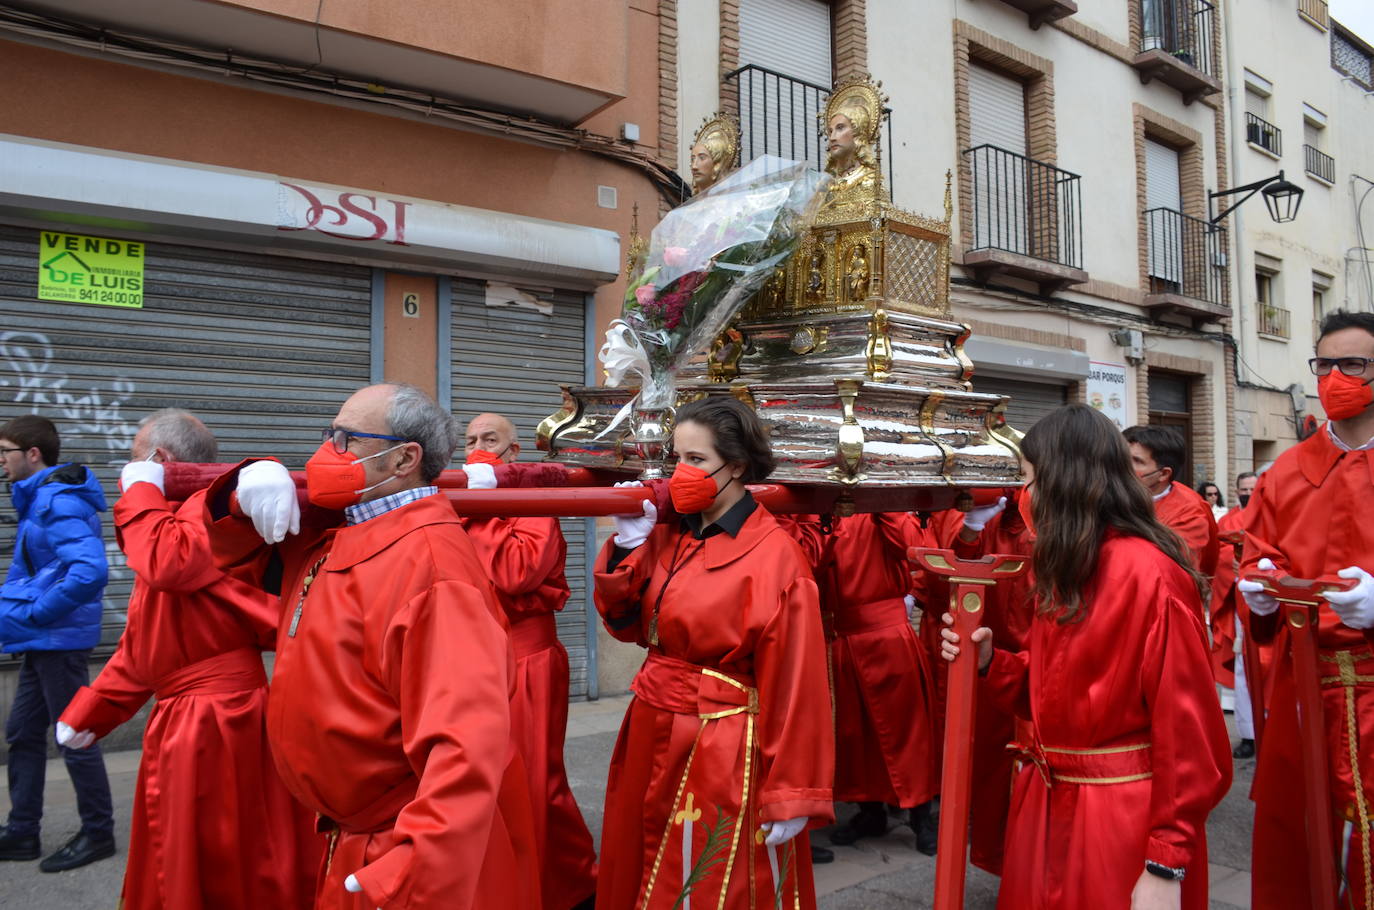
[969, 581]
[1299, 602]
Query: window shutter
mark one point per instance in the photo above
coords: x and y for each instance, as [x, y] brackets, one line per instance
[996, 110]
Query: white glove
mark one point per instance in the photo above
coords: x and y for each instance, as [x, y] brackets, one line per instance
[633, 530]
[73, 739]
[1261, 604]
[776, 833]
[352, 887]
[267, 494]
[142, 472]
[1356, 606]
[910, 606]
[480, 476]
[977, 519]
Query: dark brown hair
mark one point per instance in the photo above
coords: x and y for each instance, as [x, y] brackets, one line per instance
[1083, 486]
[1344, 319]
[29, 431]
[740, 436]
[1165, 445]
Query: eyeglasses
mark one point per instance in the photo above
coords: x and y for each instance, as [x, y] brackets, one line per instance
[340, 437]
[1350, 366]
[5, 450]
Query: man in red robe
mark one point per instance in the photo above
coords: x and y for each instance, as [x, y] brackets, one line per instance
[881, 674]
[525, 558]
[1158, 454]
[1312, 519]
[389, 709]
[1228, 666]
[214, 827]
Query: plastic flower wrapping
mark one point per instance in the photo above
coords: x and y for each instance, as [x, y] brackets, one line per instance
[705, 259]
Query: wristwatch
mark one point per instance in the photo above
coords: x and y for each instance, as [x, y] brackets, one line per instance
[1163, 871]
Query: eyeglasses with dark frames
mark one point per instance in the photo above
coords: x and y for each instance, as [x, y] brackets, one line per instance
[5, 450]
[1350, 366]
[341, 436]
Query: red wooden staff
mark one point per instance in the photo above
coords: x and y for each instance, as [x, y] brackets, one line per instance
[533, 489]
[969, 580]
[1298, 604]
[1254, 670]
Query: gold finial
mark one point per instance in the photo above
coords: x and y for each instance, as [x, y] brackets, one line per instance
[636, 249]
[949, 197]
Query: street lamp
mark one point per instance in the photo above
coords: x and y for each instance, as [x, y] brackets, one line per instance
[1280, 197]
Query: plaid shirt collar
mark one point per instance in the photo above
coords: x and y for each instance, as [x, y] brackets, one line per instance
[378, 507]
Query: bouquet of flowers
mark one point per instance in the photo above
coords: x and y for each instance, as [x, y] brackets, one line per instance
[705, 260]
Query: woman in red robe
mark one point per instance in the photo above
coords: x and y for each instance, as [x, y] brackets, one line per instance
[726, 753]
[1129, 751]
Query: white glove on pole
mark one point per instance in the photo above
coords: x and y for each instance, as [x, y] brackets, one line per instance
[633, 530]
[73, 739]
[1260, 603]
[910, 606]
[776, 833]
[142, 472]
[977, 519]
[267, 495]
[1356, 606]
[480, 476]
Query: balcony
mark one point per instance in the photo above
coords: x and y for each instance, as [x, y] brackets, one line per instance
[1272, 321]
[780, 115]
[1027, 220]
[1263, 134]
[1176, 46]
[1315, 12]
[1319, 164]
[1041, 11]
[1186, 264]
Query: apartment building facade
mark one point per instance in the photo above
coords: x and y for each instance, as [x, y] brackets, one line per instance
[1306, 111]
[1082, 140]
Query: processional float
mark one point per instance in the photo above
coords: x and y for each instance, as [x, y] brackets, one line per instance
[816, 301]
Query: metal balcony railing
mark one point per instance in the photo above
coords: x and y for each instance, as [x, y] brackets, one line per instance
[1186, 256]
[780, 115]
[1261, 132]
[1316, 11]
[1181, 28]
[1272, 320]
[1319, 164]
[1025, 206]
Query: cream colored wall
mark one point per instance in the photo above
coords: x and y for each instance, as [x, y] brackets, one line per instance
[698, 71]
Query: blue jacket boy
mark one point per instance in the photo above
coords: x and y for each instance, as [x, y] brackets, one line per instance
[52, 594]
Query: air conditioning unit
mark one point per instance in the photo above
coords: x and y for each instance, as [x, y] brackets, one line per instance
[1133, 342]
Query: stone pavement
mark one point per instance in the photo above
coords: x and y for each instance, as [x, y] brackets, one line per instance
[882, 874]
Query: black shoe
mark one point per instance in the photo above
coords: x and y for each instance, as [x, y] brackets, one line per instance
[926, 824]
[79, 851]
[1244, 749]
[821, 855]
[869, 821]
[18, 846]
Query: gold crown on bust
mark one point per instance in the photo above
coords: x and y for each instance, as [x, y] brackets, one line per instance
[861, 100]
[720, 134]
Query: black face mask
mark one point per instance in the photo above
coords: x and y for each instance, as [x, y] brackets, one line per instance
[1244, 499]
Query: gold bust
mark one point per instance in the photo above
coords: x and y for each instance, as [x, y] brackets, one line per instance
[853, 116]
[713, 151]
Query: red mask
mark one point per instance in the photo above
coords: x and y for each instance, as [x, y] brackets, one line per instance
[1023, 505]
[692, 489]
[333, 480]
[482, 456]
[1343, 396]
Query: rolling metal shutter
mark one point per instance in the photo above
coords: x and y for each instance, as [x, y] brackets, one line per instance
[997, 117]
[262, 348]
[1164, 238]
[790, 37]
[1029, 400]
[511, 360]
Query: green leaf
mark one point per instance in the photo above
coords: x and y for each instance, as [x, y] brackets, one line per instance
[717, 836]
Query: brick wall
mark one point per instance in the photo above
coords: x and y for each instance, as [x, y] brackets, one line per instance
[849, 30]
[729, 53]
[667, 83]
